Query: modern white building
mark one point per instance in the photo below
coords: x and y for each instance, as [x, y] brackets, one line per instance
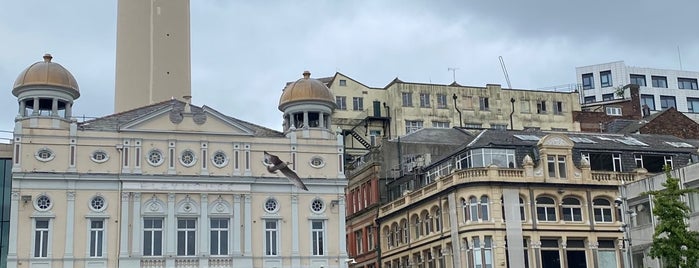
[660, 88]
[639, 217]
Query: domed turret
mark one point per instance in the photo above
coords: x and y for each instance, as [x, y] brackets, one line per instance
[306, 90]
[45, 88]
[307, 104]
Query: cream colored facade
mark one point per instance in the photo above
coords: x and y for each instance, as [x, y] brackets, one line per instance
[459, 220]
[170, 185]
[410, 106]
[152, 53]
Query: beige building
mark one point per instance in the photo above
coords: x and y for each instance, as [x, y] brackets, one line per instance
[368, 114]
[170, 184]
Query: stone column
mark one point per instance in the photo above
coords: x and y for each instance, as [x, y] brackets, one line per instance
[454, 229]
[204, 232]
[124, 221]
[69, 232]
[22, 107]
[341, 230]
[136, 223]
[171, 233]
[54, 107]
[36, 106]
[12, 239]
[295, 260]
[247, 250]
[237, 233]
[69, 110]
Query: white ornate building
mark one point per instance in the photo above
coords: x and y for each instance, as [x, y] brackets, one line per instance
[171, 184]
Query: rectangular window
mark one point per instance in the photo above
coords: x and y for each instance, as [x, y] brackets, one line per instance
[358, 241]
[437, 124]
[615, 111]
[687, 83]
[498, 126]
[370, 238]
[152, 237]
[473, 125]
[341, 102]
[41, 238]
[358, 103]
[186, 236]
[441, 101]
[343, 82]
[590, 99]
[605, 78]
[96, 237]
[556, 166]
[541, 107]
[588, 81]
[604, 161]
[667, 102]
[638, 79]
[659, 81]
[219, 237]
[483, 252]
[483, 103]
[693, 105]
[648, 100]
[407, 99]
[412, 126]
[318, 237]
[271, 238]
[608, 97]
[424, 100]
[558, 107]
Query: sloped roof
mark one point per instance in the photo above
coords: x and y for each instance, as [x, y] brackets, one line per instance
[437, 136]
[113, 122]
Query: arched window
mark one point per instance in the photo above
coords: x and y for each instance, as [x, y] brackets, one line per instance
[473, 208]
[602, 210]
[389, 237]
[545, 209]
[406, 231]
[437, 216]
[396, 234]
[464, 206]
[417, 226]
[571, 209]
[485, 209]
[427, 222]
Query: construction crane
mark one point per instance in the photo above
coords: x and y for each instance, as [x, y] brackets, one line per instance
[504, 71]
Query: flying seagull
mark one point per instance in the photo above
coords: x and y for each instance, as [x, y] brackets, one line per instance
[273, 163]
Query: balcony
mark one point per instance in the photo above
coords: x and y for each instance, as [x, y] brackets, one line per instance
[528, 174]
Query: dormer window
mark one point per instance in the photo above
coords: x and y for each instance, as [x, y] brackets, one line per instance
[556, 166]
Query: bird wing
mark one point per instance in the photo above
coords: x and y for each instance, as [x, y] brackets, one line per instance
[293, 178]
[273, 162]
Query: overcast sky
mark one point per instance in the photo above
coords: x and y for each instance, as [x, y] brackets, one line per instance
[243, 52]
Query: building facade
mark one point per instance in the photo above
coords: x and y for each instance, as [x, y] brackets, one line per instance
[368, 114]
[6, 181]
[660, 88]
[170, 184]
[560, 189]
[638, 212]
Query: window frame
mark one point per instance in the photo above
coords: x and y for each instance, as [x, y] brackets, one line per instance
[601, 210]
[341, 102]
[41, 238]
[549, 210]
[153, 231]
[424, 100]
[271, 237]
[557, 166]
[412, 126]
[541, 107]
[692, 105]
[570, 211]
[216, 235]
[636, 78]
[590, 99]
[407, 99]
[318, 238]
[658, 81]
[664, 101]
[588, 81]
[644, 101]
[687, 83]
[189, 234]
[483, 104]
[442, 101]
[613, 111]
[608, 97]
[96, 242]
[357, 104]
[605, 79]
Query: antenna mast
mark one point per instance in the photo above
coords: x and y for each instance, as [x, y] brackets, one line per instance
[504, 71]
[453, 72]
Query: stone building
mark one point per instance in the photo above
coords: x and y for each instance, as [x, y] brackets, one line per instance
[453, 210]
[366, 114]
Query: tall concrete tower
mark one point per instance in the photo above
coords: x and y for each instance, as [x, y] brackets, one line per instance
[153, 52]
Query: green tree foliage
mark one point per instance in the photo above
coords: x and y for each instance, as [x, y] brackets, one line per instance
[673, 242]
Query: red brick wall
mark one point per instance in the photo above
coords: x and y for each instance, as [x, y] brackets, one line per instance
[672, 122]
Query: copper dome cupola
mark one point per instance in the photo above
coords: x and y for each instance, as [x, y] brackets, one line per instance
[307, 104]
[45, 88]
[304, 90]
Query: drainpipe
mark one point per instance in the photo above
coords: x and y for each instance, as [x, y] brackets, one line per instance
[461, 122]
[388, 114]
[512, 100]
